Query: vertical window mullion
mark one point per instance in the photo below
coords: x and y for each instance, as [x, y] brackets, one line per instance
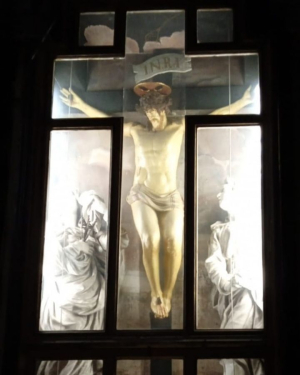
[113, 257]
[189, 308]
[110, 365]
[189, 365]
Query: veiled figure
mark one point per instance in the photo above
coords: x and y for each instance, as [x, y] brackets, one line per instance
[74, 284]
[239, 307]
[235, 270]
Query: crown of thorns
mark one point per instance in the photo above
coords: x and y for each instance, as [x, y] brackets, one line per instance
[144, 88]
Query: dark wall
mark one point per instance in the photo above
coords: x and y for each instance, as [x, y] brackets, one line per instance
[286, 42]
[26, 25]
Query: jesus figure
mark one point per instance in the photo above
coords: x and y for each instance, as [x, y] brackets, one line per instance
[157, 206]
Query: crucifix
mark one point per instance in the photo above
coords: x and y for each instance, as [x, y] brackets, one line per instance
[154, 129]
[156, 204]
[155, 200]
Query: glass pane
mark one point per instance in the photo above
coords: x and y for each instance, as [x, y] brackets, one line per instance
[96, 29]
[148, 31]
[152, 213]
[214, 25]
[71, 367]
[151, 283]
[237, 366]
[229, 222]
[88, 88]
[149, 367]
[221, 84]
[76, 229]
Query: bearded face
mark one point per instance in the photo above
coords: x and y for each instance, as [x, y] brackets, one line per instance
[156, 108]
[157, 119]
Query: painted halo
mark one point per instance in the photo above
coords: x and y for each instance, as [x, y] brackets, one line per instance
[143, 88]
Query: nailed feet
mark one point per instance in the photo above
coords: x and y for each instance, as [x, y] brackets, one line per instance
[161, 307]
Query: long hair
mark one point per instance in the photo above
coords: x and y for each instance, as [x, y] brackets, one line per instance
[154, 100]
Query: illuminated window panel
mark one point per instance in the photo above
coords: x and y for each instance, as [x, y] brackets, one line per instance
[71, 367]
[229, 228]
[149, 31]
[221, 85]
[73, 296]
[147, 367]
[87, 88]
[236, 366]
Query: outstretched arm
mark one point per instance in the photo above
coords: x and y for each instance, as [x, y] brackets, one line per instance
[236, 106]
[72, 100]
[127, 129]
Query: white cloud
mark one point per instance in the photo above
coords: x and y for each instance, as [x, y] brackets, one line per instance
[99, 35]
[176, 40]
[132, 46]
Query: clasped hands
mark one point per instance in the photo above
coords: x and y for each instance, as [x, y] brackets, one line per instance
[89, 245]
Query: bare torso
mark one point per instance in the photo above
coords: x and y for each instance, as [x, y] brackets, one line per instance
[156, 156]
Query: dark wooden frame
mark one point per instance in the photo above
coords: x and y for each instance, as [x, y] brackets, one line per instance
[188, 343]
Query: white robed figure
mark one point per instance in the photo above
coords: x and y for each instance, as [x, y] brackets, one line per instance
[74, 284]
[234, 267]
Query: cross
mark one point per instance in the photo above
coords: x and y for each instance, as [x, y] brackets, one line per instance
[156, 133]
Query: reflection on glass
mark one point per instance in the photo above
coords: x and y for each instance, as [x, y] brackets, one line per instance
[237, 366]
[71, 367]
[96, 29]
[214, 25]
[76, 230]
[147, 367]
[221, 85]
[229, 223]
[87, 88]
[152, 213]
[154, 30]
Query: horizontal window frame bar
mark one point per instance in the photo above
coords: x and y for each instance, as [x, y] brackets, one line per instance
[224, 120]
[190, 121]
[86, 123]
[98, 352]
[149, 337]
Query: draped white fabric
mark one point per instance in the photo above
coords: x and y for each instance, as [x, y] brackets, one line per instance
[72, 367]
[74, 282]
[74, 289]
[237, 292]
[242, 366]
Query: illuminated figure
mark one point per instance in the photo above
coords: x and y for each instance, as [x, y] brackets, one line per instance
[156, 203]
[74, 284]
[237, 292]
[74, 291]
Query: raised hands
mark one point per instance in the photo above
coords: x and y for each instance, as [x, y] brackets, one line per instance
[71, 99]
